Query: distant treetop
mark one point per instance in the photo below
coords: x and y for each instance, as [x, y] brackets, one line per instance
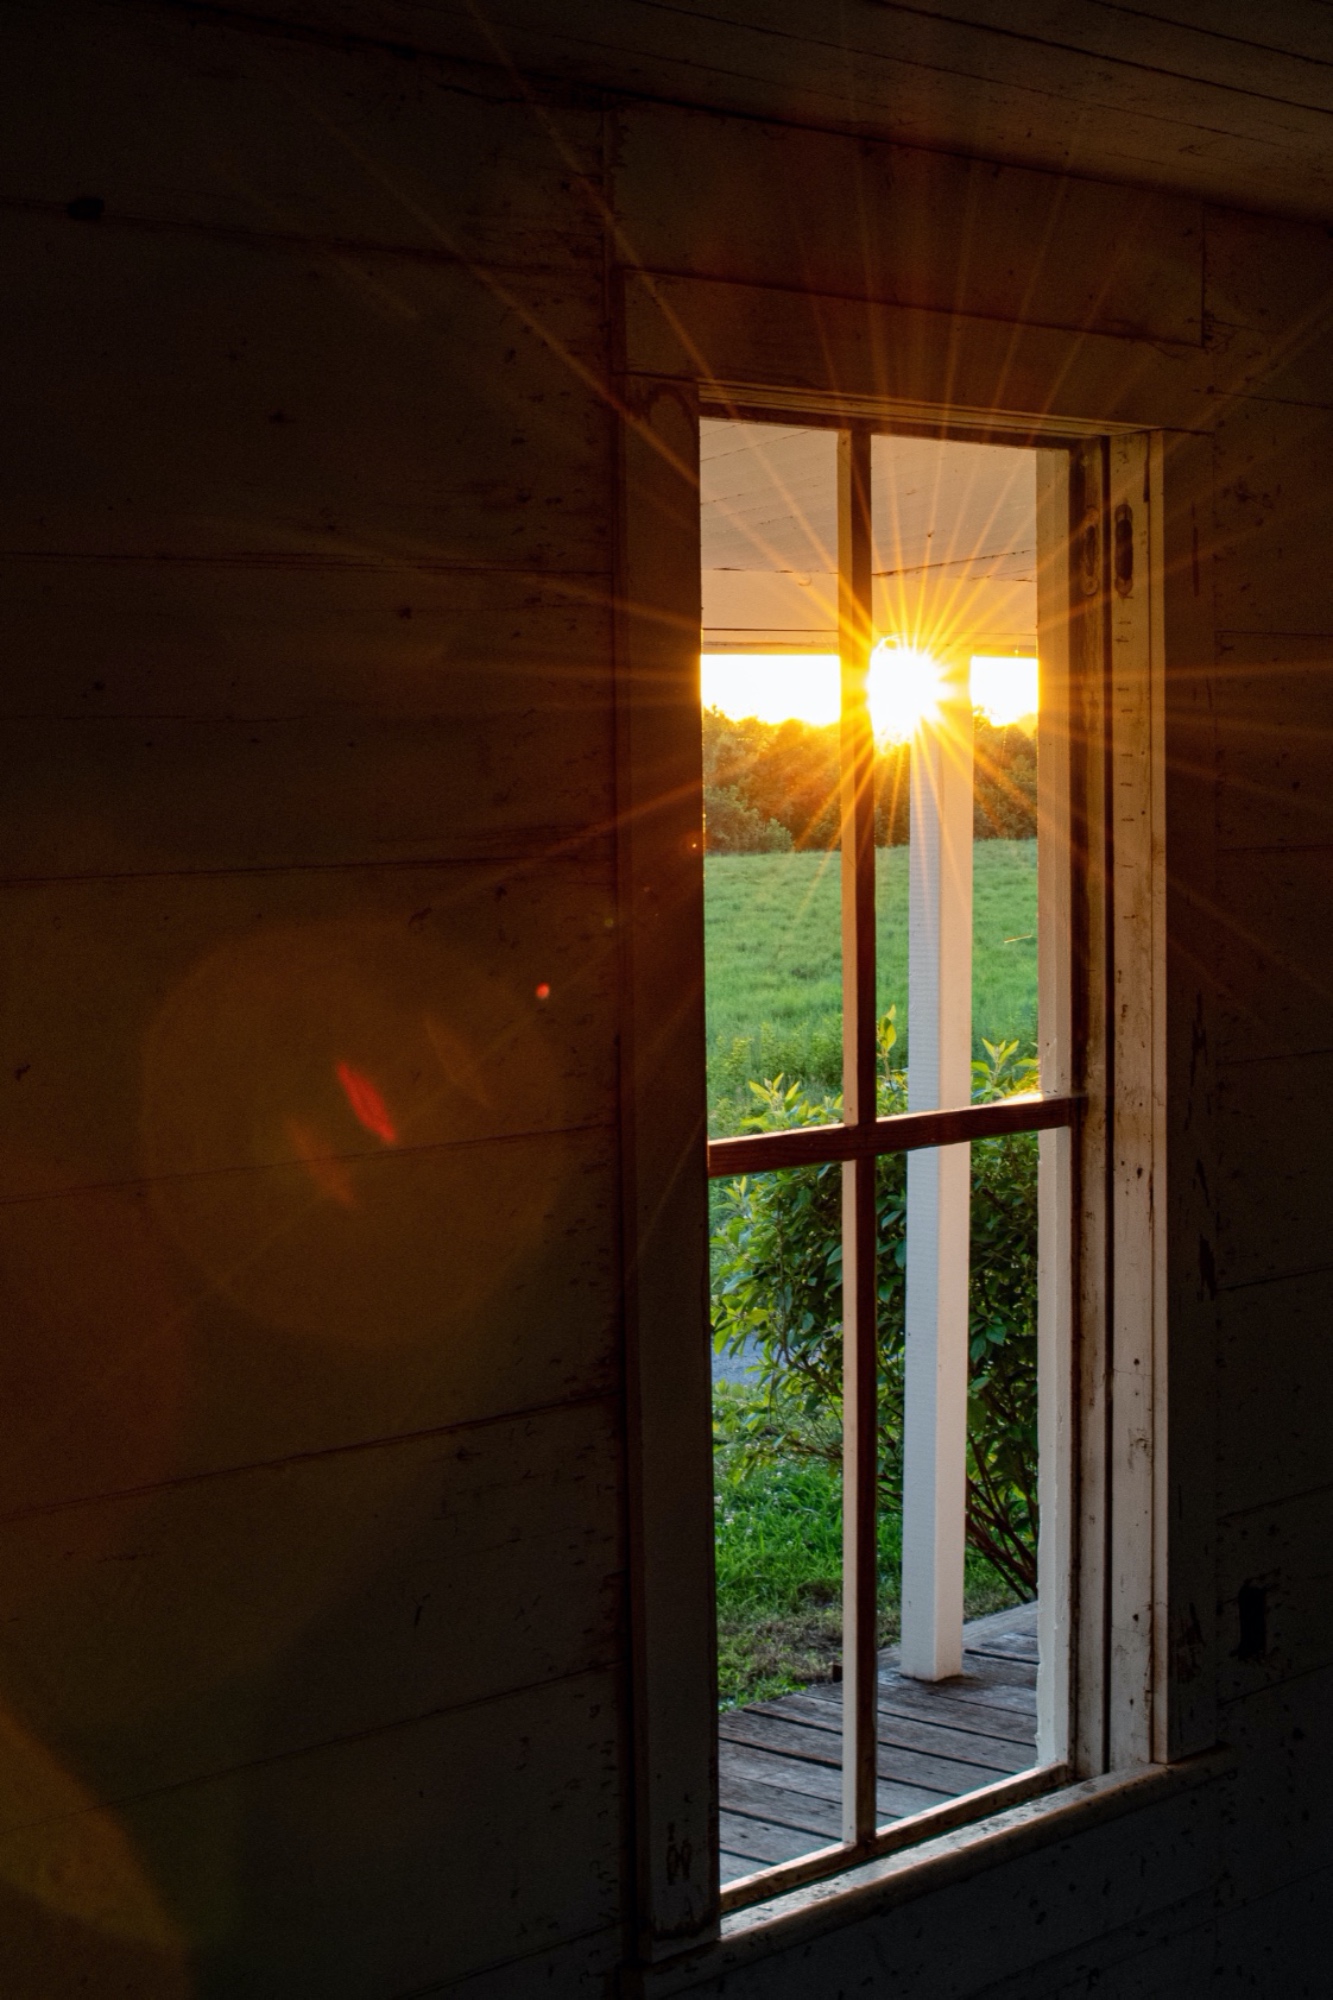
[769, 786]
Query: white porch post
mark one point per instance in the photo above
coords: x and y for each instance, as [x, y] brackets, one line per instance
[939, 1030]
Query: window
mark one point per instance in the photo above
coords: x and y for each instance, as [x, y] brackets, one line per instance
[918, 555]
[1097, 1111]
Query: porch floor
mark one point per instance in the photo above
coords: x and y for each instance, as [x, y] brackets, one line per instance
[781, 1761]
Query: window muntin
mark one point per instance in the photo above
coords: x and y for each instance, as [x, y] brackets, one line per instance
[939, 1122]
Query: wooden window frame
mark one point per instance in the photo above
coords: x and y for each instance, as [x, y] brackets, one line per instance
[859, 1141]
[1103, 1364]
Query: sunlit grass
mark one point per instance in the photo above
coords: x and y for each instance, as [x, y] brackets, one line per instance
[774, 962]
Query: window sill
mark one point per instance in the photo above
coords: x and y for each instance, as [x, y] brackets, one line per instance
[863, 1891]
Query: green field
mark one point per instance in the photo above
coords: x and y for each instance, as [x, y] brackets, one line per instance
[774, 998]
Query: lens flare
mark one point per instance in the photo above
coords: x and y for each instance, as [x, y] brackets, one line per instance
[368, 1107]
[316, 1156]
[464, 1176]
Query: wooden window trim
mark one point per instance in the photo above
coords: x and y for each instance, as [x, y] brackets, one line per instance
[905, 1132]
[1116, 1378]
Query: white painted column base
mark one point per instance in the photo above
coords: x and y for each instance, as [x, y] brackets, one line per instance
[935, 1402]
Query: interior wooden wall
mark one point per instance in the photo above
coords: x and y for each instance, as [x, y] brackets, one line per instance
[312, 1591]
[311, 1559]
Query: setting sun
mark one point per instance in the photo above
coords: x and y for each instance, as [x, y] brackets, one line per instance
[905, 688]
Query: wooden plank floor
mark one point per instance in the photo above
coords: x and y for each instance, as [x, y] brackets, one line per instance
[781, 1761]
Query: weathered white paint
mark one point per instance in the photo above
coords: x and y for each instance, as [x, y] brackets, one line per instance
[1135, 1114]
[1055, 1242]
[939, 1019]
[660, 840]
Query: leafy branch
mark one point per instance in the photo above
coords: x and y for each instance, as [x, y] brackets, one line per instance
[777, 1283]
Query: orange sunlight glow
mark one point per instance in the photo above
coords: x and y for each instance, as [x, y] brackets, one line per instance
[1004, 686]
[773, 686]
[368, 1107]
[905, 683]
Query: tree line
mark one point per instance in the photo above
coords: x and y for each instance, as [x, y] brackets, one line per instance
[771, 787]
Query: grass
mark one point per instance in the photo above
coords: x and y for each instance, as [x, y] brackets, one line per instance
[779, 1565]
[775, 962]
[774, 1005]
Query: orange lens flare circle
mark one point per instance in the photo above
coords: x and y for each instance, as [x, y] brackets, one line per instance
[350, 1130]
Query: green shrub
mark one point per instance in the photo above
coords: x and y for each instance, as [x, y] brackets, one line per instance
[777, 1275]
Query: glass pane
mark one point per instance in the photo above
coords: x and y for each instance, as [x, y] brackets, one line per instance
[941, 1739]
[778, 1513]
[955, 618]
[774, 1010]
[955, 595]
[771, 795]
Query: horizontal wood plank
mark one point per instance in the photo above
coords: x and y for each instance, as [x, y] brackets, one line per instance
[143, 1635]
[363, 1866]
[501, 656]
[213, 1046]
[784, 1806]
[780, 1761]
[961, 1941]
[1274, 1938]
[875, 355]
[111, 798]
[341, 404]
[1267, 300]
[1274, 694]
[949, 1776]
[1272, 488]
[770, 1776]
[1275, 1383]
[1018, 86]
[292, 139]
[696, 195]
[1281, 1815]
[1006, 1712]
[577, 1970]
[906, 1132]
[260, 1321]
[1275, 1592]
[1274, 967]
[911, 1732]
[761, 1841]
